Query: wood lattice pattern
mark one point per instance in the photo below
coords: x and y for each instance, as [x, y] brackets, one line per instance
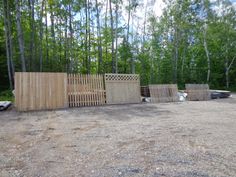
[122, 88]
[122, 77]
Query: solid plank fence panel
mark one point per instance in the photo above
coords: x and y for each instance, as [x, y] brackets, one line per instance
[38, 91]
[85, 90]
[163, 93]
[197, 92]
[122, 88]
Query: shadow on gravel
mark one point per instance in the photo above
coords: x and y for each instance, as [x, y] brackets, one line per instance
[128, 112]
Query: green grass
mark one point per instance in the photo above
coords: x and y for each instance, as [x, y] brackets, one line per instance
[6, 96]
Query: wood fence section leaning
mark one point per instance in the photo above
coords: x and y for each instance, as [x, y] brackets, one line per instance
[38, 91]
[197, 92]
[85, 90]
[163, 93]
[122, 88]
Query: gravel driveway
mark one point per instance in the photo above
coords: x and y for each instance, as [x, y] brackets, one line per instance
[173, 139]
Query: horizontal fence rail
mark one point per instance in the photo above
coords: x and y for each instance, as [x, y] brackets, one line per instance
[85, 90]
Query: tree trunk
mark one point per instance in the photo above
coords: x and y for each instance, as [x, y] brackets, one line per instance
[100, 65]
[71, 40]
[47, 47]
[227, 69]
[66, 47]
[144, 25]
[89, 40]
[32, 40]
[127, 37]
[20, 36]
[41, 38]
[54, 54]
[106, 41]
[207, 53]
[132, 55]
[176, 55]
[10, 43]
[116, 37]
[112, 39]
[86, 37]
[7, 36]
[183, 62]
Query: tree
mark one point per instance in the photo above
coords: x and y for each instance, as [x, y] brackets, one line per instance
[20, 36]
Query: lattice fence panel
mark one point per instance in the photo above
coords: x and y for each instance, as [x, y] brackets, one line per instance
[122, 88]
[122, 77]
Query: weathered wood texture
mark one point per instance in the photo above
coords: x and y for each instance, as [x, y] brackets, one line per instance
[38, 91]
[145, 91]
[197, 92]
[85, 90]
[122, 88]
[163, 93]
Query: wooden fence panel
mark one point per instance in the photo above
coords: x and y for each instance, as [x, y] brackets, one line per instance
[163, 93]
[122, 88]
[37, 91]
[197, 92]
[85, 90]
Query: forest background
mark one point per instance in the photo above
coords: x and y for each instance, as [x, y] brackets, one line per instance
[168, 41]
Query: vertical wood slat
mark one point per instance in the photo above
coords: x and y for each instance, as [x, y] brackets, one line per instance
[198, 92]
[163, 93]
[37, 91]
[87, 90]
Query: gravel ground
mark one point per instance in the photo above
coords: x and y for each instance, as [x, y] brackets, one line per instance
[171, 139]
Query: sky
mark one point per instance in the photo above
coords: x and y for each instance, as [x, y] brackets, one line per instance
[159, 5]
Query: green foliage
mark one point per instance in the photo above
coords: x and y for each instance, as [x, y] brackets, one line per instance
[6, 96]
[171, 50]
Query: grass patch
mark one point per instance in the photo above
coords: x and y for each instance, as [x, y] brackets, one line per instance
[6, 96]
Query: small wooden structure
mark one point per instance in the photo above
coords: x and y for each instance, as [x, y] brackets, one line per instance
[163, 93]
[197, 92]
[122, 88]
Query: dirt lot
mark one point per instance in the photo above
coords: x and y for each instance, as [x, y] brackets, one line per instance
[172, 139]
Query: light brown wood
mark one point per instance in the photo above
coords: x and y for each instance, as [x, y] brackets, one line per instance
[37, 91]
[122, 88]
[197, 92]
[160, 93]
[86, 90]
